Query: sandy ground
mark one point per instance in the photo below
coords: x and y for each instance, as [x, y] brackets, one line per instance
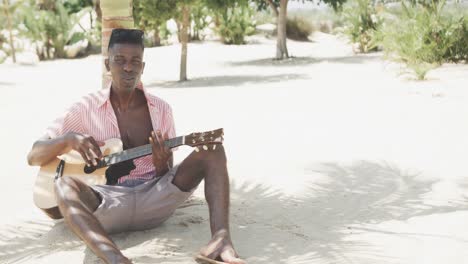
[333, 157]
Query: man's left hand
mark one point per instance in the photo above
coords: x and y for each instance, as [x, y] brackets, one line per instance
[161, 153]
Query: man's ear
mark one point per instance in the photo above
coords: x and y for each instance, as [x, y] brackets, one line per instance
[106, 62]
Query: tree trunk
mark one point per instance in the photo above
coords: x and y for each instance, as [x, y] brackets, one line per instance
[281, 47]
[156, 37]
[273, 7]
[179, 30]
[184, 40]
[12, 44]
[97, 9]
[115, 14]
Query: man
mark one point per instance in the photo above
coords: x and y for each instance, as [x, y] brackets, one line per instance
[152, 188]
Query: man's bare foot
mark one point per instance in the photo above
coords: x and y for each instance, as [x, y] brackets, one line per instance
[220, 248]
[120, 260]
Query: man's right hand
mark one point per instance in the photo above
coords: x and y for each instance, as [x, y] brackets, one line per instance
[86, 145]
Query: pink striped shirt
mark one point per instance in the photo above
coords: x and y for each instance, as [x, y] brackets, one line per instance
[94, 116]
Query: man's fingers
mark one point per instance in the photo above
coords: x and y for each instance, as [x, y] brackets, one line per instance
[159, 140]
[94, 146]
[84, 154]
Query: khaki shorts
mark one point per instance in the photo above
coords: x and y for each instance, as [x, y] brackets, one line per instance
[144, 206]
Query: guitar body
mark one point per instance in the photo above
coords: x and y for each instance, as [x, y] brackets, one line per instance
[44, 193]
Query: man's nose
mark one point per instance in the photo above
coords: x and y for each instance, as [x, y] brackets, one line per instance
[128, 67]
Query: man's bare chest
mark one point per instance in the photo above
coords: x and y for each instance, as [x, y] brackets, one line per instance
[135, 126]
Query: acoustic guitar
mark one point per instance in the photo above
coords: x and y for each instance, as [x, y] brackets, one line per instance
[72, 164]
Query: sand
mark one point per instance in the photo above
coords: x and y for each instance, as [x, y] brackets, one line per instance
[333, 157]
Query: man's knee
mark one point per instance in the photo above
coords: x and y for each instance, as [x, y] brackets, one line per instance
[69, 191]
[66, 186]
[212, 154]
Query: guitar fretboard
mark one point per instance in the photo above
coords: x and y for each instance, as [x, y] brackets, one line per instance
[137, 152]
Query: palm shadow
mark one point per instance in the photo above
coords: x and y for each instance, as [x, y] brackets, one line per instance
[32, 240]
[314, 226]
[227, 80]
[268, 226]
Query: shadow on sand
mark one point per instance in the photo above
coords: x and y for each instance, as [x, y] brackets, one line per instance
[275, 228]
[227, 80]
[302, 61]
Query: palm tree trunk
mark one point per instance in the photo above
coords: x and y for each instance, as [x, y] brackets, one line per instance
[184, 40]
[12, 44]
[281, 46]
[115, 14]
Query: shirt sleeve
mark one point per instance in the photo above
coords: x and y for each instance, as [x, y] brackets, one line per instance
[70, 121]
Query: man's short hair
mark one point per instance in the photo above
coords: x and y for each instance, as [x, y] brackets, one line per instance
[126, 36]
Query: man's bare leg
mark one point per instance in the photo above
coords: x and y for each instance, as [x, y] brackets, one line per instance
[77, 202]
[210, 165]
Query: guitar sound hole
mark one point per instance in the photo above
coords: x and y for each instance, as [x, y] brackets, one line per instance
[89, 169]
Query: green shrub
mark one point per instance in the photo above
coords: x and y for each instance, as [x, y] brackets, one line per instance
[458, 45]
[235, 24]
[199, 15]
[298, 28]
[423, 38]
[362, 24]
[50, 30]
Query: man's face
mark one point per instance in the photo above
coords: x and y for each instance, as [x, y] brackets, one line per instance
[126, 65]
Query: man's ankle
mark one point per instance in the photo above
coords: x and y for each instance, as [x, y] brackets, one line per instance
[117, 259]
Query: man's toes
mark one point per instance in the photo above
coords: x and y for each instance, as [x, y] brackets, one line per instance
[229, 256]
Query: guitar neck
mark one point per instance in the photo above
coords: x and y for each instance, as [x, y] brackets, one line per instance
[138, 152]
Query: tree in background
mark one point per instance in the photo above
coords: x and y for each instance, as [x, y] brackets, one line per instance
[115, 14]
[9, 10]
[199, 16]
[183, 19]
[280, 8]
[233, 19]
[151, 15]
[49, 26]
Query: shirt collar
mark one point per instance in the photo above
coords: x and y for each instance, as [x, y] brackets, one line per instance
[104, 95]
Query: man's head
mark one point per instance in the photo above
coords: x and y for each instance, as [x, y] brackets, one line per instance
[125, 60]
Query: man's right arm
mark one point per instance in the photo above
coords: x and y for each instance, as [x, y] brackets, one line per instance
[46, 149]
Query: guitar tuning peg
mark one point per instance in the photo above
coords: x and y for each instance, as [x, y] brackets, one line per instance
[205, 147]
[196, 149]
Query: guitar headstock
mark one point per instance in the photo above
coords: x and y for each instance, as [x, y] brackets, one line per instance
[205, 138]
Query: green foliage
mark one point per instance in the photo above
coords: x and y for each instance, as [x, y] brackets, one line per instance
[51, 30]
[199, 16]
[298, 28]
[458, 40]
[152, 15]
[362, 23]
[75, 6]
[423, 38]
[235, 24]
[335, 4]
